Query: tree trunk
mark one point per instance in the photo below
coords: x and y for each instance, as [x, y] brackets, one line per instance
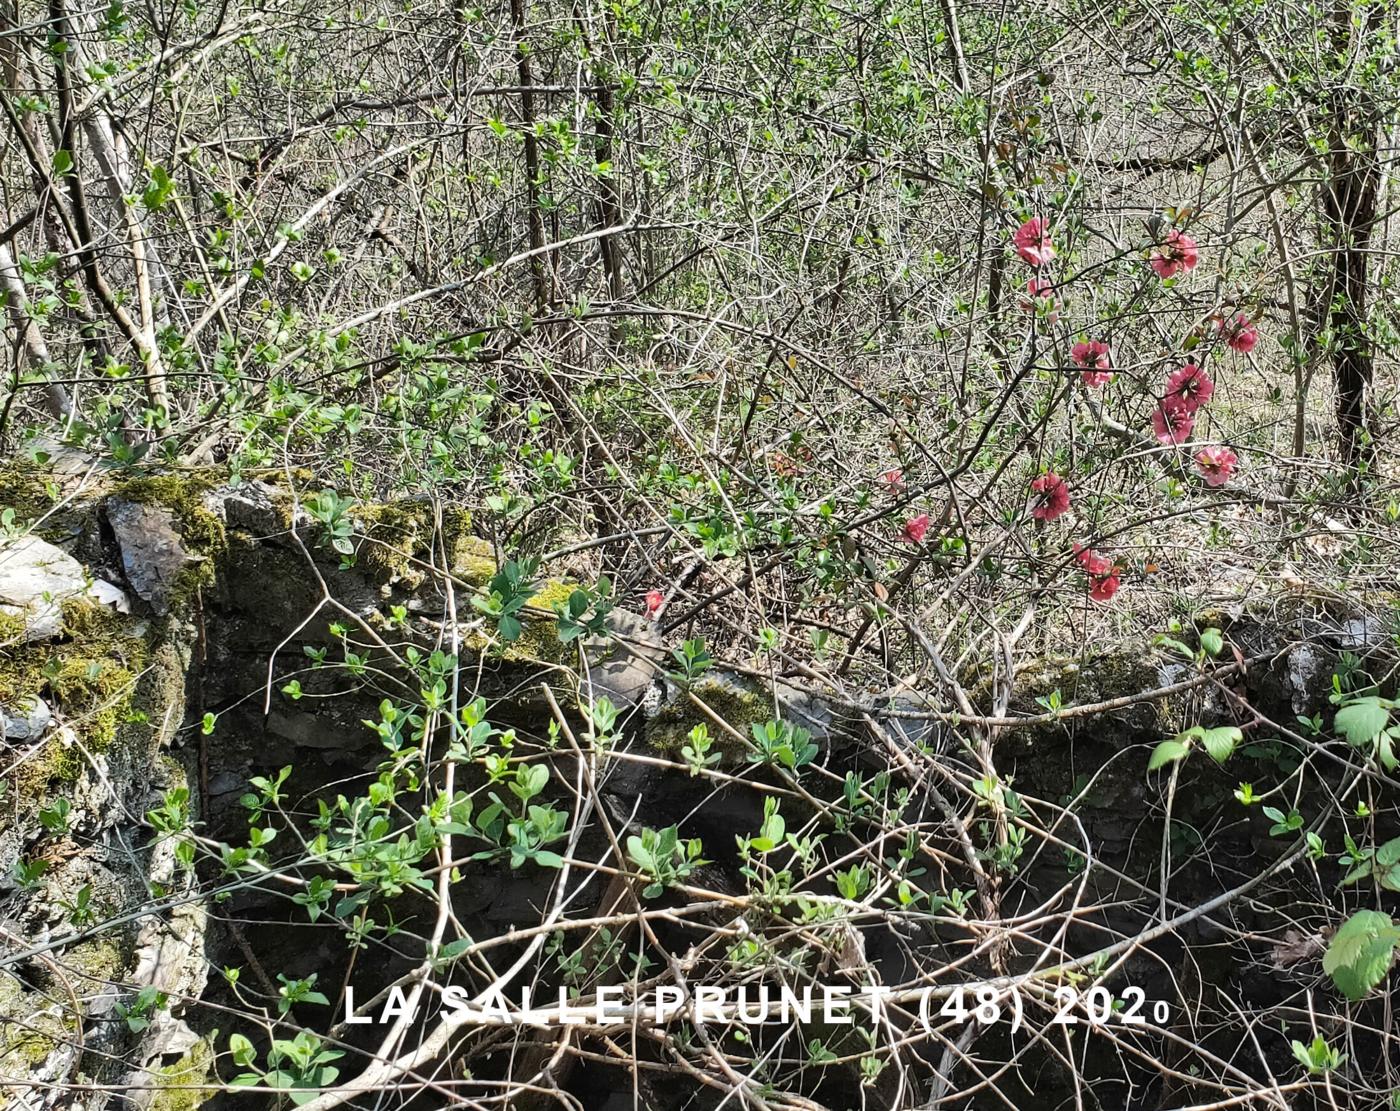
[1349, 214]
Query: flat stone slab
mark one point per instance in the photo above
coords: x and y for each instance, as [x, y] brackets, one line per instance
[36, 578]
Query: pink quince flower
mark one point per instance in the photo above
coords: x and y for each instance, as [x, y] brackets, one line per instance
[1103, 587]
[1092, 359]
[1216, 464]
[1172, 422]
[1104, 574]
[914, 529]
[1051, 497]
[1177, 254]
[1090, 560]
[655, 600]
[894, 481]
[1190, 387]
[1239, 334]
[1032, 242]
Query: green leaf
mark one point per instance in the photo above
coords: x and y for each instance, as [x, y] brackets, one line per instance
[158, 193]
[1175, 645]
[1212, 642]
[1220, 742]
[62, 162]
[1168, 752]
[1360, 953]
[1361, 722]
[242, 1050]
[1362, 869]
[639, 854]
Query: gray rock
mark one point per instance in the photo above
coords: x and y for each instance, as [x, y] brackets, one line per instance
[153, 554]
[36, 578]
[625, 667]
[1363, 633]
[25, 721]
[226, 783]
[1308, 667]
[250, 508]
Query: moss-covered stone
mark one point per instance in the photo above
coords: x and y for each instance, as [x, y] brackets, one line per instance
[474, 560]
[91, 673]
[539, 636]
[183, 1083]
[90, 967]
[34, 1020]
[200, 528]
[738, 703]
[25, 489]
[202, 532]
[12, 628]
[32, 1026]
[57, 762]
[401, 542]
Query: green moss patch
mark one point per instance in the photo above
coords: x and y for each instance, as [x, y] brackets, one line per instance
[402, 539]
[183, 494]
[91, 674]
[741, 705]
[182, 1084]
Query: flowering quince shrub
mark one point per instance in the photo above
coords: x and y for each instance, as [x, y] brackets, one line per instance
[1032, 242]
[1239, 334]
[1216, 464]
[1185, 392]
[1104, 575]
[1040, 300]
[1188, 388]
[915, 529]
[841, 434]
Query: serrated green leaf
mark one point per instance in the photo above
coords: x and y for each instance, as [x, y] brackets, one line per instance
[1212, 641]
[1360, 954]
[1362, 721]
